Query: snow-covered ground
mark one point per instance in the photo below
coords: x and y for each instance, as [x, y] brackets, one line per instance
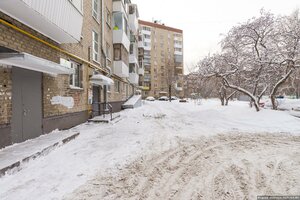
[170, 150]
[285, 104]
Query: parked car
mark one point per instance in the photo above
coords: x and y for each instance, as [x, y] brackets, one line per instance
[164, 98]
[174, 98]
[150, 98]
[183, 100]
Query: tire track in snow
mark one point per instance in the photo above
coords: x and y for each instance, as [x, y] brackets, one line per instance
[232, 166]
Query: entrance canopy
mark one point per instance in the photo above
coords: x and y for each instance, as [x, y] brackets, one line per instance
[99, 79]
[34, 63]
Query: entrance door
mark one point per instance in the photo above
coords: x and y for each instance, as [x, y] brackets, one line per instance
[96, 103]
[26, 104]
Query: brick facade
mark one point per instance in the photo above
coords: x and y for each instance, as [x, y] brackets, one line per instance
[5, 95]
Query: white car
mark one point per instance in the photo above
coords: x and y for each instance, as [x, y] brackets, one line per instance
[174, 98]
[164, 98]
[150, 98]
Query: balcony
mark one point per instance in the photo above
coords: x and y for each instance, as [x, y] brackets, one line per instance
[118, 6]
[134, 78]
[121, 69]
[141, 44]
[147, 78]
[147, 48]
[178, 38]
[133, 18]
[178, 59]
[141, 71]
[179, 88]
[59, 20]
[178, 46]
[146, 32]
[120, 37]
[178, 53]
[146, 88]
[133, 59]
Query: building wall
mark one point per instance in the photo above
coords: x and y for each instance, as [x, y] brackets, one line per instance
[52, 86]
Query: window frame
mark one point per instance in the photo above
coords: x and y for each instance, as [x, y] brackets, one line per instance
[73, 83]
[97, 12]
[93, 46]
[108, 18]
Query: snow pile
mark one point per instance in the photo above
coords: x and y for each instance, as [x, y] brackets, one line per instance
[133, 102]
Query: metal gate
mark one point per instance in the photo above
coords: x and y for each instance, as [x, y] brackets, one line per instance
[26, 104]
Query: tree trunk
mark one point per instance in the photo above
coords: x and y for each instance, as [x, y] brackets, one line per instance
[276, 87]
[274, 104]
[229, 97]
[222, 101]
[170, 90]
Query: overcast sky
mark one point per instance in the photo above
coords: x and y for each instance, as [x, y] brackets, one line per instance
[203, 21]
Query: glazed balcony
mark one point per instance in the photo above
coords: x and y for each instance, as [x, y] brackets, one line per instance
[121, 69]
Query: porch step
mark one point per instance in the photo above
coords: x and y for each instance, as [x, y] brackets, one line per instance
[13, 157]
[106, 119]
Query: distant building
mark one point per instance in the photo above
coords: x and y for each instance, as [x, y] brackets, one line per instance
[191, 84]
[163, 59]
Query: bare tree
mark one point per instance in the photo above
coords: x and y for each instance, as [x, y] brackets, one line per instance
[287, 50]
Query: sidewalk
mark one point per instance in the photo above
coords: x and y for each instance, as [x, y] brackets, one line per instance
[12, 157]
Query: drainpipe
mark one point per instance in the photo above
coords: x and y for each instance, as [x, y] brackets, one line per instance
[104, 53]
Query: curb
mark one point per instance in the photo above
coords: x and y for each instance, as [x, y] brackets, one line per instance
[15, 167]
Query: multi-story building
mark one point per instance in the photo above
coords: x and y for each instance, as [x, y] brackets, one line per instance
[191, 85]
[59, 67]
[163, 59]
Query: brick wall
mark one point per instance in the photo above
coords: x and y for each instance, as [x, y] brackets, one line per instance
[52, 86]
[5, 95]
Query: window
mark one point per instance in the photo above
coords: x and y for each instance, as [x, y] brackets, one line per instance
[132, 68]
[146, 28]
[178, 49]
[117, 52]
[147, 36]
[108, 17]
[95, 46]
[117, 86]
[96, 9]
[131, 49]
[76, 77]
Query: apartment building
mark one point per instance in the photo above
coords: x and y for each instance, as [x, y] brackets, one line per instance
[59, 67]
[191, 85]
[163, 59]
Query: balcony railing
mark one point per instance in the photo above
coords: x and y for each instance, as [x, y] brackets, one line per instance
[121, 69]
[141, 71]
[178, 53]
[118, 6]
[134, 78]
[133, 22]
[120, 37]
[59, 20]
